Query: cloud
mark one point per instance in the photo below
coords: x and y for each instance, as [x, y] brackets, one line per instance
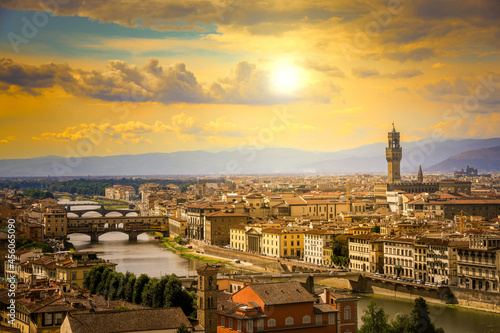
[465, 127]
[246, 84]
[122, 82]
[32, 78]
[479, 94]
[404, 73]
[415, 55]
[8, 139]
[364, 72]
[321, 67]
[193, 15]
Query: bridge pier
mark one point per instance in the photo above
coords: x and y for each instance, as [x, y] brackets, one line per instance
[94, 237]
[132, 236]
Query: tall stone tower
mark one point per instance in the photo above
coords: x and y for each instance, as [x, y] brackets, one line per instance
[393, 155]
[420, 175]
[207, 298]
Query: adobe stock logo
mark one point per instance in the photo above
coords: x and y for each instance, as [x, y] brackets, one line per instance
[31, 27]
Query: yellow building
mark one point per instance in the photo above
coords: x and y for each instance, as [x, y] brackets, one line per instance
[73, 271]
[283, 242]
[177, 226]
[327, 256]
[237, 237]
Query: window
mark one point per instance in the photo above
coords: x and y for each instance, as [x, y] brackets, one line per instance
[331, 318]
[260, 324]
[306, 319]
[230, 320]
[319, 319]
[249, 325]
[271, 322]
[239, 325]
[289, 321]
[73, 276]
[222, 321]
[347, 312]
[47, 319]
[58, 318]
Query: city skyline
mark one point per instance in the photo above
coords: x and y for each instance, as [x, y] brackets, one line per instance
[110, 79]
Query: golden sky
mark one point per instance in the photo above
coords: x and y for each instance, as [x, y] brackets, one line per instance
[128, 77]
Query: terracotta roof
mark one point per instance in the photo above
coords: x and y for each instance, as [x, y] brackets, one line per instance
[222, 214]
[282, 293]
[127, 321]
[206, 268]
[324, 308]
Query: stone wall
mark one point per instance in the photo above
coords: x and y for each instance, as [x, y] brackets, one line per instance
[477, 299]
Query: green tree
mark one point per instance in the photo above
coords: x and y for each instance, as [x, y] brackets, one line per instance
[128, 291]
[420, 319]
[375, 229]
[374, 320]
[139, 284]
[93, 278]
[401, 323]
[149, 292]
[101, 287]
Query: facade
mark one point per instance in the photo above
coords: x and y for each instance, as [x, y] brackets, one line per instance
[478, 263]
[55, 222]
[283, 307]
[217, 226]
[195, 220]
[283, 242]
[314, 242]
[237, 237]
[207, 298]
[177, 226]
[366, 253]
[393, 155]
[399, 257]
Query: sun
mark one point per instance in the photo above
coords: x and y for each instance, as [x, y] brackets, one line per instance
[286, 78]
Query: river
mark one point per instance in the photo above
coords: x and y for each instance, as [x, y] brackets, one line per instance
[144, 256]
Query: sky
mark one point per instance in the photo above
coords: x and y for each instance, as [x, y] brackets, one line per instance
[98, 78]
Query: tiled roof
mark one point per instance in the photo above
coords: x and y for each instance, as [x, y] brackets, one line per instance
[128, 321]
[282, 293]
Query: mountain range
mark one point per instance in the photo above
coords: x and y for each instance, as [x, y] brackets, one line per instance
[434, 156]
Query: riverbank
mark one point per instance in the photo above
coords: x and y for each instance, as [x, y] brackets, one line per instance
[170, 244]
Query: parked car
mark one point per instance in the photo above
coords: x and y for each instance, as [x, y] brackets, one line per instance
[237, 261]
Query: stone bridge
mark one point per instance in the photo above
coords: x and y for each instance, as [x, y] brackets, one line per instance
[101, 210]
[130, 225]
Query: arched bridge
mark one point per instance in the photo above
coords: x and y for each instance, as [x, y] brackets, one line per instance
[101, 210]
[130, 225]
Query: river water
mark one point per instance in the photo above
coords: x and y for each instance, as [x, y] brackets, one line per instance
[145, 256]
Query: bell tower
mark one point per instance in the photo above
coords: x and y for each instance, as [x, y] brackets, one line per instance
[207, 298]
[393, 155]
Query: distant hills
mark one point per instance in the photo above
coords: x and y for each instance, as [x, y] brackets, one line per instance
[368, 158]
[485, 160]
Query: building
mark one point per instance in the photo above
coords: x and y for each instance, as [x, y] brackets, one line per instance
[195, 220]
[177, 226]
[283, 242]
[393, 155]
[478, 263]
[217, 226]
[399, 257]
[55, 222]
[283, 307]
[314, 242]
[207, 298]
[366, 253]
[237, 235]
